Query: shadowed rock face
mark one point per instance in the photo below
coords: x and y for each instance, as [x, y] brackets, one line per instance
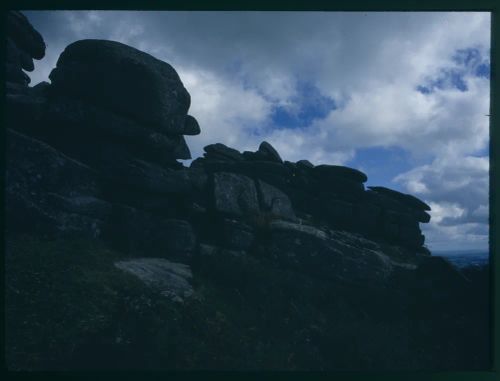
[407, 199]
[122, 114]
[317, 252]
[23, 44]
[220, 151]
[170, 278]
[125, 80]
[24, 35]
[267, 151]
[93, 156]
[327, 194]
[42, 185]
[234, 194]
[275, 201]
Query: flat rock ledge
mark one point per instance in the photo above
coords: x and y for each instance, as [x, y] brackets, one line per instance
[171, 279]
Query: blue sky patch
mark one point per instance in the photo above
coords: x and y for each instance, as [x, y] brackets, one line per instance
[382, 164]
[469, 61]
[467, 57]
[424, 89]
[306, 106]
[448, 78]
[483, 70]
[471, 58]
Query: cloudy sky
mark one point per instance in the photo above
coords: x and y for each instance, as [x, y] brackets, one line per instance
[403, 97]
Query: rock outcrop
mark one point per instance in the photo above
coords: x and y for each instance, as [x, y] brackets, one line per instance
[169, 278]
[49, 192]
[23, 45]
[94, 155]
[126, 81]
[333, 195]
[104, 138]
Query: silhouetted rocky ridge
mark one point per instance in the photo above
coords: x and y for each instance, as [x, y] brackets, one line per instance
[93, 157]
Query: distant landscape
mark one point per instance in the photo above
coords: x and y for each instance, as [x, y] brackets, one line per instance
[464, 258]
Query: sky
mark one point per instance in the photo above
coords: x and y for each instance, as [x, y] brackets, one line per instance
[403, 97]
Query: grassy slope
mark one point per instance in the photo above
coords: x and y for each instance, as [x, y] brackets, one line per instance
[68, 307]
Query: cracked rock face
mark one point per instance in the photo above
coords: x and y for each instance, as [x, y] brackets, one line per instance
[275, 201]
[327, 254]
[45, 190]
[235, 194]
[171, 279]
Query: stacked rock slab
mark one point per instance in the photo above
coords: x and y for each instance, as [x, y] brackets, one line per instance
[46, 192]
[49, 193]
[334, 195]
[139, 101]
[122, 112]
[117, 117]
[23, 44]
[103, 141]
[401, 214]
[239, 184]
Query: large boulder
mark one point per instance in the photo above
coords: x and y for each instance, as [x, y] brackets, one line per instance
[18, 57]
[236, 235]
[335, 256]
[50, 193]
[191, 126]
[406, 199]
[15, 74]
[305, 164]
[35, 167]
[421, 216]
[268, 152]
[125, 80]
[368, 217]
[135, 231]
[80, 204]
[341, 214]
[256, 169]
[335, 171]
[398, 218]
[24, 112]
[298, 229]
[22, 33]
[411, 236]
[275, 202]
[341, 187]
[219, 151]
[69, 117]
[234, 194]
[144, 176]
[227, 268]
[15, 88]
[383, 201]
[340, 181]
[119, 167]
[398, 202]
[171, 279]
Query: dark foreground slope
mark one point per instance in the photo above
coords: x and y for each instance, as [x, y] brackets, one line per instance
[120, 257]
[69, 307]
